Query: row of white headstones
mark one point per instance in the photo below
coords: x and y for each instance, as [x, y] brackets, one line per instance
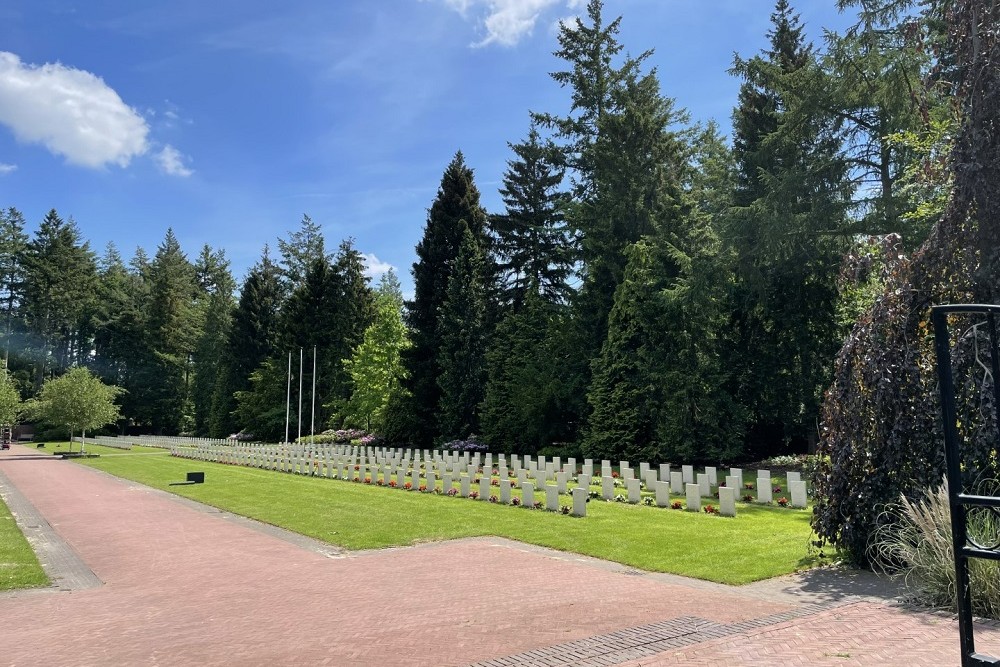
[348, 462]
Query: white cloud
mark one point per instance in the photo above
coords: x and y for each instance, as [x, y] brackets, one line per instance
[506, 22]
[171, 162]
[71, 112]
[7, 168]
[376, 267]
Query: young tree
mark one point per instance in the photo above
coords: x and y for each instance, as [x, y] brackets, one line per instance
[375, 367]
[77, 401]
[10, 400]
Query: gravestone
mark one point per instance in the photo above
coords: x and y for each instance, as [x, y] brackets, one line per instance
[662, 494]
[579, 502]
[465, 486]
[522, 476]
[584, 482]
[665, 472]
[551, 498]
[713, 475]
[608, 488]
[676, 483]
[688, 472]
[798, 491]
[446, 484]
[505, 491]
[527, 494]
[727, 501]
[484, 488]
[693, 497]
[649, 479]
[561, 480]
[794, 477]
[431, 481]
[704, 486]
[764, 474]
[764, 490]
[634, 496]
[628, 473]
[738, 473]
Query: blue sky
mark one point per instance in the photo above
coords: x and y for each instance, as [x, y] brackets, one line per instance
[228, 120]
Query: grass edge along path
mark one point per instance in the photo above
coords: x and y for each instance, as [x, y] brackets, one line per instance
[760, 543]
[19, 566]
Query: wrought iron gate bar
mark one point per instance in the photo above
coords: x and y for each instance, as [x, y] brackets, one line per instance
[964, 547]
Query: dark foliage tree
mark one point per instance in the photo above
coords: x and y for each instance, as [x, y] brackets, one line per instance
[531, 242]
[462, 343]
[881, 417]
[413, 411]
[251, 339]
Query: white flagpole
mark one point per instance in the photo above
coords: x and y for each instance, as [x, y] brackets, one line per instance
[312, 416]
[288, 397]
[300, 394]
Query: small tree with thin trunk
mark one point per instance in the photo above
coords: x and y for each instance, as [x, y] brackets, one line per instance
[77, 401]
[10, 400]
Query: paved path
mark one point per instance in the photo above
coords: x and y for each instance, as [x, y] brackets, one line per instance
[169, 582]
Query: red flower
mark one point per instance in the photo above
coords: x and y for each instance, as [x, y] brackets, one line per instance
[407, 486]
[783, 501]
[677, 505]
[710, 509]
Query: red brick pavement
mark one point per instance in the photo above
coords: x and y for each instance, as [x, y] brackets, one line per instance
[855, 635]
[184, 587]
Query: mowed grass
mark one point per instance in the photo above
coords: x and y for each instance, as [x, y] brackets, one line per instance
[19, 566]
[761, 542]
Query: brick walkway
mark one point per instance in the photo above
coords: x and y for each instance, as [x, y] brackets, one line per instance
[184, 584]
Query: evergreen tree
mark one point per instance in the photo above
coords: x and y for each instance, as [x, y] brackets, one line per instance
[462, 337]
[13, 245]
[415, 407]
[531, 242]
[786, 233]
[375, 366]
[174, 330]
[526, 393]
[251, 339]
[302, 248]
[355, 313]
[59, 289]
[214, 304]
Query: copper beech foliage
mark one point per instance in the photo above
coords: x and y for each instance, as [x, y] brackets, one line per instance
[880, 418]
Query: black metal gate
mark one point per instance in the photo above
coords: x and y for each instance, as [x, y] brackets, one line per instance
[965, 547]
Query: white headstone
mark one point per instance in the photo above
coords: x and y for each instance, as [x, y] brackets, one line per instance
[628, 473]
[562, 478]
[505, 491]
[643, 469]
[608, 488]
[551, 498]
[704, 487]
[727, 501]
[605, 468]
[584, 482]
[688, 472]
[764, 490]
[713, 475]
[764, 474]
[431, 481]
[522, 476]
[622, 465]
[676, 483]
[579, 502]
[662, 494]
[446, 484]
[794, 477]
[633, 491]
[527, 494]
[737, 472]
[798, 491]
[693, 494]
[588, 469]
[650, 479]
[415, 478]
[665, 471]
[484, 488]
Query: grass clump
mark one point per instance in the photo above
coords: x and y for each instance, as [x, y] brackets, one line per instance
[914, 543]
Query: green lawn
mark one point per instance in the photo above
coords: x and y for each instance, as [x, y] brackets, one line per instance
[761, 542]
[19, 566]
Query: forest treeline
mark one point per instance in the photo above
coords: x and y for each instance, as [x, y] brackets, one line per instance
[651, 291]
